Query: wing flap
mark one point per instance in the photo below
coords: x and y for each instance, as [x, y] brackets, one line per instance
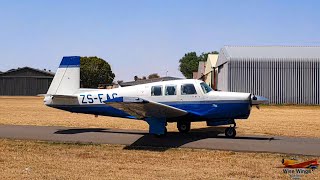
[142, 108]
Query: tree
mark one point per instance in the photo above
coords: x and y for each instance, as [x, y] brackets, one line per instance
[190, 61]
[144, 78]
[189, 64]
[95, 71]
[136, 78]
[153, 76]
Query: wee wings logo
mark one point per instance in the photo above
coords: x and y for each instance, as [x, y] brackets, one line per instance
[296, 169]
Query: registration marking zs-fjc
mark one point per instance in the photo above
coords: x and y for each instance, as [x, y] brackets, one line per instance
[88, 98]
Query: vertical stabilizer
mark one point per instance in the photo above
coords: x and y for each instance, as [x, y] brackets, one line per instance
[67, 78]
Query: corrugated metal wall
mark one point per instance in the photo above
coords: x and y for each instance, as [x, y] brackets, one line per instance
[222, 78]
[23, 86]
[282, 81]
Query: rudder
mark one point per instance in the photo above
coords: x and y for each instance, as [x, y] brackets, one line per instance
[67, 78]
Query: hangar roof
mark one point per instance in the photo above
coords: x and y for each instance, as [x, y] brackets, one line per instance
[266, 53]
[26, 72]
[272, 51]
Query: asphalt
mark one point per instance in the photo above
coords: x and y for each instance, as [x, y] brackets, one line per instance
[200, 139]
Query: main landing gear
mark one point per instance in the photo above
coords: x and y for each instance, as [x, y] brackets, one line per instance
[183, 126]
[162, 135]
[157, 126]
[231, 132]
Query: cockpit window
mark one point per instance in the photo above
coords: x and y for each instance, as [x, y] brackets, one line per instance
[205, 87]
[171, 90]
[156, 91]
[188, 89]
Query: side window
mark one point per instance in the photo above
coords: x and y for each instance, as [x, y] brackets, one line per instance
[188, 89]
[171, 90]
[205, 88]
[156, 91]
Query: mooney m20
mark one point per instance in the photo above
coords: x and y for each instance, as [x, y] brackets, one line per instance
[181, 101]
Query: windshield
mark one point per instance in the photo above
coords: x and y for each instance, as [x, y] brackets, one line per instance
[205, 87]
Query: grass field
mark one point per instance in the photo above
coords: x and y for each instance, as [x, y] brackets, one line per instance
[43, 160]
[302, 121]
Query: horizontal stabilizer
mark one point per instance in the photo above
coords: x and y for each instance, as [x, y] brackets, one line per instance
[142, 108]
[59, 96]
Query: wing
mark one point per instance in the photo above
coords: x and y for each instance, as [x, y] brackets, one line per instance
[142, 108]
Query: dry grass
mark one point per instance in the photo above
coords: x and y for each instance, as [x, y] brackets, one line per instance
[42, 160]
[271, 120]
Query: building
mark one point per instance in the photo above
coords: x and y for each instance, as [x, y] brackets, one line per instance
[199, 74]
[25, 82]
[210, 72]
[283, 74]
[207, 71]
[194, 75]
[144, 81]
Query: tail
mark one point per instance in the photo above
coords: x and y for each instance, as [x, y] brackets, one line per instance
[67, 78]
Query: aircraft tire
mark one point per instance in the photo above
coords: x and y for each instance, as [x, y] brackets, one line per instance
[184, 127]
[230, 132]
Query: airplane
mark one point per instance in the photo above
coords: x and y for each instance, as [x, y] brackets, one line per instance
[293, 163]
[158, 103]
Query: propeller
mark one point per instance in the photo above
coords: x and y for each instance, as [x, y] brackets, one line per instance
[257, 100]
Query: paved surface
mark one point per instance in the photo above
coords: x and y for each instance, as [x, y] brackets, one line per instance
[137, 139]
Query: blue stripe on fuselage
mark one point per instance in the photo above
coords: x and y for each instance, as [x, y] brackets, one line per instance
[203, 109]
[217, 109]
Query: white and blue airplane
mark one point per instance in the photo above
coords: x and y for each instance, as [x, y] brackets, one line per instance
[157, 103]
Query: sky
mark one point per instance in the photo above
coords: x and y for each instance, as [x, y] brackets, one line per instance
[140, 37]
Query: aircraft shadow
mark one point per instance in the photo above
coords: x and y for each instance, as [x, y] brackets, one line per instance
[78, 131]
[96, 130]
[171, 140]
[176, 139]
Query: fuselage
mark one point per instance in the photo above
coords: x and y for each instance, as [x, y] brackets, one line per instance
[193, 96]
